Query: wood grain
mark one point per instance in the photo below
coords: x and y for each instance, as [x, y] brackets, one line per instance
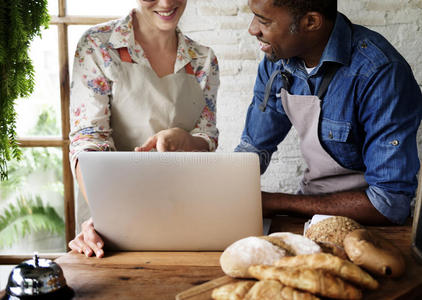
[193, 275]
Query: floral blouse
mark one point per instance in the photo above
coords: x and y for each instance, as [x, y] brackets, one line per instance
[92, 84]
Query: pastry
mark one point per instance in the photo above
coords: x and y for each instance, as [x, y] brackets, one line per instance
[261, 290]
[232, 291]
[332, 264]
[274, 290]
[311, 280]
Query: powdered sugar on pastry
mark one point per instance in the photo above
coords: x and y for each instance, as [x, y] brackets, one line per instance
[297, 244]
[237, 258]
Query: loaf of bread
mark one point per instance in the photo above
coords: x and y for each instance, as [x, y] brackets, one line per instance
[265, 250]
[374, 253]
[237, 258]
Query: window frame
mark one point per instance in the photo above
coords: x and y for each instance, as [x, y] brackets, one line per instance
[62, 21]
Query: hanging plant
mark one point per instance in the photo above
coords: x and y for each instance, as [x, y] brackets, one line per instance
[20, 22]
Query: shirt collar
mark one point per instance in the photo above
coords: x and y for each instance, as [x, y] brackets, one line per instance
[338, 48]
[123, 36]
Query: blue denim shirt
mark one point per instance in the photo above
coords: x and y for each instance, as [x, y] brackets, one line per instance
[369, 116]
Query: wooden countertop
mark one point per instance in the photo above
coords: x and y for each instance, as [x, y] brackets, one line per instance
[162, 275]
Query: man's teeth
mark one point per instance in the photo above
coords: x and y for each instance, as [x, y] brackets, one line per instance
[262, 44]
[165, 14]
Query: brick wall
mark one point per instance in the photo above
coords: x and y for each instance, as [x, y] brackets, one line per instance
[223, 24]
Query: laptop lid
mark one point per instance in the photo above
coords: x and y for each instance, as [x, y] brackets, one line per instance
[173, 201]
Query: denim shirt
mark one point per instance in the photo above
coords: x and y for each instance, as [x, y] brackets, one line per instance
[369, 116]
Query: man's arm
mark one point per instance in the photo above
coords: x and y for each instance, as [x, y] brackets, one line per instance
[352, 204]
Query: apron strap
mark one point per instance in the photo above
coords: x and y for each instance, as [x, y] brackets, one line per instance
[189, 69]
[268, 86]
[326, 80]
[124, 55]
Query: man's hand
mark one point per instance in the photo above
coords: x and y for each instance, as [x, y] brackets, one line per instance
[174, 139]
[88, 241]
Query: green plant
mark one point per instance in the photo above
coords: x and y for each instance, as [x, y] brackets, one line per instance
[33, 159]
[26, 216]
[20, 23]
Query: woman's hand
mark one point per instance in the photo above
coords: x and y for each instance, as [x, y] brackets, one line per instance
[174, 139]
[88, 241]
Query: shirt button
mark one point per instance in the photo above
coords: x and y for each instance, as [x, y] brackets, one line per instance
[364, 45]
[330, 135]
[395, 143]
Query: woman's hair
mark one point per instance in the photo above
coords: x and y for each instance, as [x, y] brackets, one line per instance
[298, 8]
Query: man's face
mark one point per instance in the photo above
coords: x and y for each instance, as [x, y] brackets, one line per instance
[275, 28]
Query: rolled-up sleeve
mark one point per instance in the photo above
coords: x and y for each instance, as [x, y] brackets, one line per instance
[390, 111]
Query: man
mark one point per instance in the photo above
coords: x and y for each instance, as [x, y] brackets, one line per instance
[352, 99]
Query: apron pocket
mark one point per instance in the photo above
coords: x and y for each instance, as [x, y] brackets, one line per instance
[335, 136]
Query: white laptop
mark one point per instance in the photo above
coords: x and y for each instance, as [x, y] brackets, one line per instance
[179, 201]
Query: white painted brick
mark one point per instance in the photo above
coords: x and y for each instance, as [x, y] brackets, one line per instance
[223, 25]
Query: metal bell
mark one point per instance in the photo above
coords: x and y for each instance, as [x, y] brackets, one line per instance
[37, 278]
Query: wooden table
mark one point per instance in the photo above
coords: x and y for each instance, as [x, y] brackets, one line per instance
[162, 275]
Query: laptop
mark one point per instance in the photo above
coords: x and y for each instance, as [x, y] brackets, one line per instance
[178, 201]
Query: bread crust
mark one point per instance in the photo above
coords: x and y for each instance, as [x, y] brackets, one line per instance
[232, 291]
[332, 264]
[274, 290]
[243, 253]
[374, 253]
[261, 290]
[311, 280]
[332, 230]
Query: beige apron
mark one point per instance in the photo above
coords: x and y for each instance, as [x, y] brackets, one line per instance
[323, 173]
[144, 104]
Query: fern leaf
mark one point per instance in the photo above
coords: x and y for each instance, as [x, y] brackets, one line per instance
[25, 217]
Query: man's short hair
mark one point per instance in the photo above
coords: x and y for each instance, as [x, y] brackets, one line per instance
[298, 8]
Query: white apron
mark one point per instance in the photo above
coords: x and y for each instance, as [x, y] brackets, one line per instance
[323, 173]
[144, 105]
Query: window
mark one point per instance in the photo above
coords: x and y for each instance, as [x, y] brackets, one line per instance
[39, 194]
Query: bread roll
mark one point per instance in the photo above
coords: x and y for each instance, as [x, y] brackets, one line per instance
[332, 230]
[296, 244]
[374, 253]
[237, 258]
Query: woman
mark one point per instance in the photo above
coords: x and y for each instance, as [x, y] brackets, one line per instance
[139, 84]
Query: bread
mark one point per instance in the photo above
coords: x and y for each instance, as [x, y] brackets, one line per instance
[332, 264]
[261, 290]
[374, 253]
[264, 250]
[237, 258]
[274, 290]
[311, 280]
[329, 234]
[295, 244]
[232, 291]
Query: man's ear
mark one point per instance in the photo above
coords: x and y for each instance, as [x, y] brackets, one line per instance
[311, 21]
